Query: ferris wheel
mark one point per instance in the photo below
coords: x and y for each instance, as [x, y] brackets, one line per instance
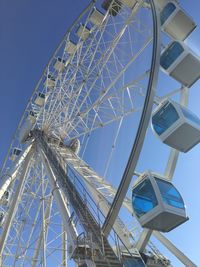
[65, 195]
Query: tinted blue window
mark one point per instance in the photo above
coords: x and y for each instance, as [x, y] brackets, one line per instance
[143, 198]
[164, 118]
[171, 54]
[190, 116]
[169, 194]
[166, 12]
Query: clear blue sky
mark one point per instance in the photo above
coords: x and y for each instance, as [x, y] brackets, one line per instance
[29, 33]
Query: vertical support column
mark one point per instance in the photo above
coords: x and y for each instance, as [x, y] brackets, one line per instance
[64, 247]
[8, 178]
[62, 205]
[143, 240]
[174, 250]
[43, 223]
[14, 203]
[39, 242]
[173, 157]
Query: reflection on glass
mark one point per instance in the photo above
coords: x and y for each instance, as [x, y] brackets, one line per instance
[164, 118]
[171, 54]
[166, 12]
[169, 194]
[143, 198]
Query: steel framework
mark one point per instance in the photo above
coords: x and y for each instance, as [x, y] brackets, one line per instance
[59, 208]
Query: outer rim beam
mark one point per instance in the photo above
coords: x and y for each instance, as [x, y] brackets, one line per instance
[144, 121]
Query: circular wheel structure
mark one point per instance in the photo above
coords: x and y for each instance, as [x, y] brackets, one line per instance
[56, 208]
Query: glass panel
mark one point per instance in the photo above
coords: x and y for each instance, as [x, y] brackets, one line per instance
[190, 116]
[164, 118]
[169, 194]
[41, 95]
[132, 262]
[166, 12]
[171, 54]
[143, 198]
[6, 194]
[17, 151]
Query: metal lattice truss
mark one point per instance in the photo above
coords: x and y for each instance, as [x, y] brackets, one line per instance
[99, 74]
[93, 90]
[33, 215]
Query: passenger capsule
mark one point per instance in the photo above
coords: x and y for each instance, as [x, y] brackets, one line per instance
[50, 81]
[157, 204]
[178, 61]
[2, 218]
[113, 6]
[160, 4]
[96, 17]
[5, 198]
[128, 3]
[40, 99]
[27, 126]
[83, 32]
[75, 146]
[60, 64]
[70, 47]
[15, 153]
[176, 125]
[176, 22]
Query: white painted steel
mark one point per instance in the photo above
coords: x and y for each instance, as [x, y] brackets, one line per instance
[15, 202]
[64, 211]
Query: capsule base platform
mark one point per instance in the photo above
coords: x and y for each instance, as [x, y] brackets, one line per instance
[165, 222]
[181, 138]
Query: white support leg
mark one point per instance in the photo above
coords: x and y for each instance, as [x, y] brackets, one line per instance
[143, 240]
[39, 242]
[64, 247]
[62, 205]
[174, 154]
[14, 204]
[174, 250]
[8, 178]
[43, 224]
